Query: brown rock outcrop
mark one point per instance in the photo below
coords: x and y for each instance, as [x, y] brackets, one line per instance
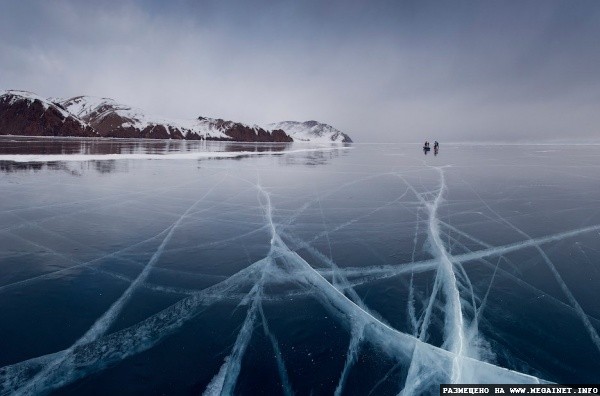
[21, 113]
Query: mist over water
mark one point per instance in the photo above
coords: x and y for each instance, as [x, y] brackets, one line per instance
[294, 269]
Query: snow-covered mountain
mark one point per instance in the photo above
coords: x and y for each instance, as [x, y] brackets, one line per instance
[113, 119]
[311, 131]
[25, 113]
[110, 118]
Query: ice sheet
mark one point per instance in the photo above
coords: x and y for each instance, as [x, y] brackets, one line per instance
[438, 306]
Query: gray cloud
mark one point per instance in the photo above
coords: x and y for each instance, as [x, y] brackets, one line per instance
[380, 71]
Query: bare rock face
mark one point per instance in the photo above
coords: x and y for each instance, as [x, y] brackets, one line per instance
[244, 133]
[24, 113]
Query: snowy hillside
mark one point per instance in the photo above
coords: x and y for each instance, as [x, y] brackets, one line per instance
[15, 97]
[113, 119]
[25, 113]
[311, 131]
[107, 115]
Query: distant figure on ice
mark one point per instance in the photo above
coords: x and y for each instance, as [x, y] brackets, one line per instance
[436, 145]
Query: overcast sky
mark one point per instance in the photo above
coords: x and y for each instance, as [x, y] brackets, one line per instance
[380, 71]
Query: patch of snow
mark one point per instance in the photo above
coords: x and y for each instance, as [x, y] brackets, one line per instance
[310, 131]
[83, 106]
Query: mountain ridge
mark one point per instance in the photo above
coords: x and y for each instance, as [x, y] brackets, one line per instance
[25, 113]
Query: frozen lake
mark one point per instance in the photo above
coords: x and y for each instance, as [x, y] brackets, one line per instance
[179, 268]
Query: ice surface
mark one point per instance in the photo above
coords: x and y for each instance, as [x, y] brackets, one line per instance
[363, 277]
